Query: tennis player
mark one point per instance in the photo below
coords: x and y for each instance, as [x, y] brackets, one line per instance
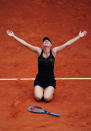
[45, 83]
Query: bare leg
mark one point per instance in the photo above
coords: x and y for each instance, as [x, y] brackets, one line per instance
[38, 93]
[48, 93]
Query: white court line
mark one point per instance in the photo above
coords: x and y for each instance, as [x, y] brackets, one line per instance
[12, 79]
[73, 78]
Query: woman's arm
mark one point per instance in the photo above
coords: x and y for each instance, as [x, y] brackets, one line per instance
[33, 48]
[61, 47]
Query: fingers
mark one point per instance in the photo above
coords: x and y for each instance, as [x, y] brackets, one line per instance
[9, 32]
[85, 32]
[82, 34]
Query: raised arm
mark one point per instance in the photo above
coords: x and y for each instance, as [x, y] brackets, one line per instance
[61, 47]
[31, 47]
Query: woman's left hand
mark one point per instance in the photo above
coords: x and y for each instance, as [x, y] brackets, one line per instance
[82, 34]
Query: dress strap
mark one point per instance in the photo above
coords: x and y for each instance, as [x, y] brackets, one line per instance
[41, 53]
[51, 53]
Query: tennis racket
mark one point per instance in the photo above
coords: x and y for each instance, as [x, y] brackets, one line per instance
[37, 109]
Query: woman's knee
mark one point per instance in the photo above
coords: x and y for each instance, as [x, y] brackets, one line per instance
[38, 98]
[38, 93]
[48, 94]
[48, 99]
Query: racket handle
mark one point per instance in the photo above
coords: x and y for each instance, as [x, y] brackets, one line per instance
[57, 115]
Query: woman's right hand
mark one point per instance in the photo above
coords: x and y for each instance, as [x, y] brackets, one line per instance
[10, 33]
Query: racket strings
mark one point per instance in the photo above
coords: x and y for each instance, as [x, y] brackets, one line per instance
[34, 109]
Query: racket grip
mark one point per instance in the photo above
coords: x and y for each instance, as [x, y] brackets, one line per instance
[57, 115]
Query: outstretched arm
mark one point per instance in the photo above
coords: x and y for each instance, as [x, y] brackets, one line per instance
[61, 47]
[33, 48]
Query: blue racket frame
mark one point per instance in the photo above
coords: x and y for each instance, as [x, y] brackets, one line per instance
[44, 111]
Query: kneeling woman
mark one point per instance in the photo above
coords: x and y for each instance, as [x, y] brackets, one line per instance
[45, 83]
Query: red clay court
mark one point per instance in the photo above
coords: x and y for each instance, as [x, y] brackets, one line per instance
[60, 20]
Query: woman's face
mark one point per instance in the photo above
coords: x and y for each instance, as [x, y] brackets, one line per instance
[47, 43]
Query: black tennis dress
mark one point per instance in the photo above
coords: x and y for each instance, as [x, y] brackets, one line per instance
[45, 76]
